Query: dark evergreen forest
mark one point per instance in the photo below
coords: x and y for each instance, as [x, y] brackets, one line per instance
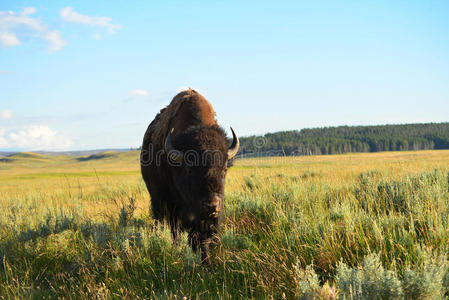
[344, 139]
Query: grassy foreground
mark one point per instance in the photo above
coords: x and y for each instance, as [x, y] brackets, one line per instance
[355, 226]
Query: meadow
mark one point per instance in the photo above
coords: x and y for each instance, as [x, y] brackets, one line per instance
[352, 226]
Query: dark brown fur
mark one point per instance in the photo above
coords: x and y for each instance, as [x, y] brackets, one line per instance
[188, 196]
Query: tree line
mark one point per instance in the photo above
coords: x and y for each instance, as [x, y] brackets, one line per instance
[344, 139]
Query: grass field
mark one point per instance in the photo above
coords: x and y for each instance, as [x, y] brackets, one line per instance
[355, 226]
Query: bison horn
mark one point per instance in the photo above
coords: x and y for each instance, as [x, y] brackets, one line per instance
[232, 151]
[173, 154]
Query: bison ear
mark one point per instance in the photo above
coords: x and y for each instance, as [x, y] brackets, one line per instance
[171, 152]
[232, 151]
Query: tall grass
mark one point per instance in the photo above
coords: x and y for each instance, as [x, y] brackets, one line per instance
[309, 232]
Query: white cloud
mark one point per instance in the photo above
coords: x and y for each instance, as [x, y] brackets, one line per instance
[28, 11]
[97, 37]
[14, 26]
[38, 137]
[3, 141]
[70, 15]
[55, 40]
[138, 92]
[5, 114]
[9, 39]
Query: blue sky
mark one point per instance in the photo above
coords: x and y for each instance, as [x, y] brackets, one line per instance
[93, 74]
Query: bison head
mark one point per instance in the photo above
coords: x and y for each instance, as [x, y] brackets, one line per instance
[198, 159]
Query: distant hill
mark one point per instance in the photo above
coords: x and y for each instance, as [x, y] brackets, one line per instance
[99, 156]
[344, 139]
[24, 157]
[72, 153]
[4, 153]
[30, 160]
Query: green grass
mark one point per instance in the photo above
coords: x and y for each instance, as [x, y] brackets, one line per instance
[355, 226]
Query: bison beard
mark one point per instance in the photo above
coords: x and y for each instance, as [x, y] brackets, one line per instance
[184, 160]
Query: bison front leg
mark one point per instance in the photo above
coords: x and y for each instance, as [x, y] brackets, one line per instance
[200, 238]
[194, 240]
[205, 257]
[197, 241]
[175, 230]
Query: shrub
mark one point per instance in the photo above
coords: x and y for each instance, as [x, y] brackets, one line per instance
[429, 281]
[368, 281]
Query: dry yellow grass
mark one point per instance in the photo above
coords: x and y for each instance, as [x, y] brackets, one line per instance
[66, 224]
[68, 183]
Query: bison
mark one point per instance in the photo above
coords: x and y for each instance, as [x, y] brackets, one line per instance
[184, 160]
